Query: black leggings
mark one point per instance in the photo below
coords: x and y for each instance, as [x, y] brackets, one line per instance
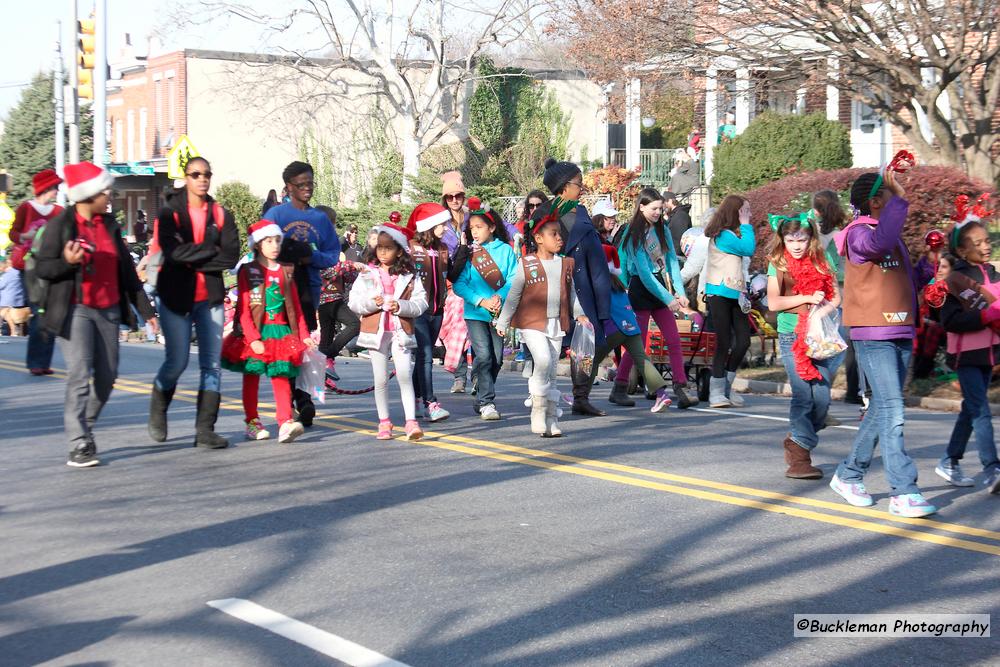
[732, 334]
[329, 315]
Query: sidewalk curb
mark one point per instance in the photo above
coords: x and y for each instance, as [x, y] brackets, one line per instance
[785, 389]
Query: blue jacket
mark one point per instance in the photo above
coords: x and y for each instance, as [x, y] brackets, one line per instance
[637, 262]
[313, 227]
[12, 289]
[590, 275]
[471, 286]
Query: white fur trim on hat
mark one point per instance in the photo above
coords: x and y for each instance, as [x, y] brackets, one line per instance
[433, 221]
[615, 271]
[85, 180]
[395, 233]
[260, 232]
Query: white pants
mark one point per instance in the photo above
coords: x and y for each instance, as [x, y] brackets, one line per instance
[544, 356]
[402, 357]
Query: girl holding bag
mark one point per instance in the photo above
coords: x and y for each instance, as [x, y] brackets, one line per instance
[799, 279]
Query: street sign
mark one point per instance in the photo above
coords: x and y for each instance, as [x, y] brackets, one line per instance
[179, 155]
[132, 169]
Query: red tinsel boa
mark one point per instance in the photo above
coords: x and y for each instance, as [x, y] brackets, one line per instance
[808, 280]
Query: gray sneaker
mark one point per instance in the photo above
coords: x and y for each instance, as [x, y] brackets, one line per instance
[992, 481]
[952, 473]
[458, 387]
[489, 413]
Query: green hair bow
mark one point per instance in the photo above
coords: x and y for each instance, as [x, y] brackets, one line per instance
[805, 219]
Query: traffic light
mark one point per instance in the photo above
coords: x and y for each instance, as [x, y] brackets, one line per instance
[85, 44]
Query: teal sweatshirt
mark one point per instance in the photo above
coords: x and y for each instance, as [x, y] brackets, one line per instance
[742, 245]
[471, 286]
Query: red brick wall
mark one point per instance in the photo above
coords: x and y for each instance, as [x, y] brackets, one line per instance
[143, 96]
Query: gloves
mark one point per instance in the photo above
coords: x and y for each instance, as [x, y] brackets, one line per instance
[991, 314]
[610, 329]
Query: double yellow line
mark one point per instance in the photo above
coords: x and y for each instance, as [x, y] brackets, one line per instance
[875, 521]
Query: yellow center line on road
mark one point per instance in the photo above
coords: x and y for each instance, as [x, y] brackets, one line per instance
[574, 465]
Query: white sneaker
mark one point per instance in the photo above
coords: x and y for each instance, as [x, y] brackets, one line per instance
[952, 473]
[992, 481]
[290, 430]
[489, 413]
[855, 494]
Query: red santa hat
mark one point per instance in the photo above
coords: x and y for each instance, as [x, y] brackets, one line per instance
[44, 181]
[427, 216]
[85, 180]
[263, 229]
[614, 262]
[400, 235]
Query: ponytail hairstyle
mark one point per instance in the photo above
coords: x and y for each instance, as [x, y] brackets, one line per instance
[727, 216]
[782, 225]
[636, 233]
[831, 213]
[861, 192]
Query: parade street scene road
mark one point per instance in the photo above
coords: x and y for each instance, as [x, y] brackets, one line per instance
[675, 542]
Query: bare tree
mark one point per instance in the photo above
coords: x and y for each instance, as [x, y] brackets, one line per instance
[418, 57]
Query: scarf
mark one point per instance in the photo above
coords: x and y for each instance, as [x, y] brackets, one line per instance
[808, 280]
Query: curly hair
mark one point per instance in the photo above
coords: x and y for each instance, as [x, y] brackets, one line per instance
[403, 264]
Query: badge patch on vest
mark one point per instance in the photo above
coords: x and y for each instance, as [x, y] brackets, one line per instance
[887, 264]
[895, 318]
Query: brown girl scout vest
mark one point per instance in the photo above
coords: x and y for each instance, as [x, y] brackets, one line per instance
[533, 308]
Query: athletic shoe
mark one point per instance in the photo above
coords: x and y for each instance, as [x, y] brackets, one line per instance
[363, 354]
[290, 430]
[47, 371]
[458, 387]
[489, 413]
[855, 493]
[413, 431]
[331, 370]
[992, 481]
[662, 401]
[952, 473]
[912, 505]
[384, 430]
[256, 430]
[84, 456]
[435, 412]
[37, 371]
[475, 386]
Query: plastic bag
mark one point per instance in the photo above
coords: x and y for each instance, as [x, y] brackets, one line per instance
[823, 339]
[312, 375]
[582, 349]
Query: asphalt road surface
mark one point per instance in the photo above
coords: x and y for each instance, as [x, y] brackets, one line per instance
[636, 539]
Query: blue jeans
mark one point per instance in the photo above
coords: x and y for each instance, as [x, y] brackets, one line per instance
[975, 416]
[487, 345]
[884, 363]
[810, 400]
[207, 321]
[426, 329]
[41, 345]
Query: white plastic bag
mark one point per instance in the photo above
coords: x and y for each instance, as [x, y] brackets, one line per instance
[312, 375]
[823, 339]
[582, 349]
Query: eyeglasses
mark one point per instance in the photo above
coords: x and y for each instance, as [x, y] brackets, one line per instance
[198, 174]
[578, 184]
[304, 185]
[460, 195]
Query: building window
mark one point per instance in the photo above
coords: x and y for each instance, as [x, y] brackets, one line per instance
[158, 116]
[172, 110]
[130, 150]
[119, 140]
[143, 137]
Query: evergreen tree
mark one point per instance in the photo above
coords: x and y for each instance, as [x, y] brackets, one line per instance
[28, 142]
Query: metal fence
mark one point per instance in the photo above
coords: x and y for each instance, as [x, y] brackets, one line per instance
[510, 207]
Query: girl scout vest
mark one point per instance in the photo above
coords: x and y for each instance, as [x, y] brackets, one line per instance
[879, 293]
[532, 310]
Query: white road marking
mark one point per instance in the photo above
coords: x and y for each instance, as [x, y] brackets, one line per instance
[319, 640]
[727, 411]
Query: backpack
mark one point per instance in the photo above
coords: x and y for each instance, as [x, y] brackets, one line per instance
[37, 289]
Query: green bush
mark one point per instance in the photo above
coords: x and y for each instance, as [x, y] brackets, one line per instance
[236, 197]
[777, 145]
[371, 213]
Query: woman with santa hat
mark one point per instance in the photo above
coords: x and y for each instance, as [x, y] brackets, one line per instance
[92, 288]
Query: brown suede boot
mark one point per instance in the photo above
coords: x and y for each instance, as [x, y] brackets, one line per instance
[799, 462]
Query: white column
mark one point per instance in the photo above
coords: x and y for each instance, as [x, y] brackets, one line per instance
[800, 100]
[633, 123]
[742, 99]
[832, 92]
[711, 121]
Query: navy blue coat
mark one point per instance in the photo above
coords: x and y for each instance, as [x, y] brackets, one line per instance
[590, 274]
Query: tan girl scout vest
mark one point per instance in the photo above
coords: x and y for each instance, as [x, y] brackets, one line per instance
[533, 308]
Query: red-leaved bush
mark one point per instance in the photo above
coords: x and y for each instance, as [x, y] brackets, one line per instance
[931, 192]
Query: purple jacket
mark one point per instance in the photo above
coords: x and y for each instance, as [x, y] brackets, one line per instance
[868, 243]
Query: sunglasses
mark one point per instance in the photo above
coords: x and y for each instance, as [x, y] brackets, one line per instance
[198, 174]
[460, 195]
[534, 205]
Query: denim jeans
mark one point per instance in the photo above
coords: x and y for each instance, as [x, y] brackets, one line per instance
[975, 416]
[207, 322]
[426, 329]
[884, 363]
[89, 343]
[41, 344]
[488, 348]
[810, 400]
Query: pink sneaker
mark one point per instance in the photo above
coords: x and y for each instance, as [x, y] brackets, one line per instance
[384, 430]
[413, 431]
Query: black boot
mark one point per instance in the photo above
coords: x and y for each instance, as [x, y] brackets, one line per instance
[684, 401]
[208, 412]
[304, 406]
[159, 401]
[581, 401]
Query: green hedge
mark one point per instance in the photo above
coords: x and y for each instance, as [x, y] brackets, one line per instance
[777, 145]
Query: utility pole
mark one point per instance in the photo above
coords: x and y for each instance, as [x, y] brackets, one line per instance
[57, 99]
[101, 82]
[72, 114]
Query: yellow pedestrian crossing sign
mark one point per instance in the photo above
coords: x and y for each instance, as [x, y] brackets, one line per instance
[179, 155]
